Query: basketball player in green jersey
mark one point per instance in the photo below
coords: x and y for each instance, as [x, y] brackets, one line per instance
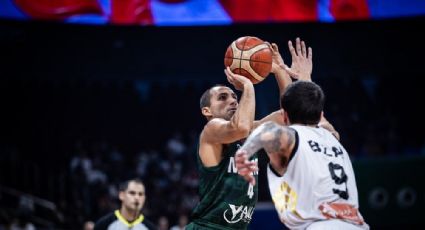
[227, 201]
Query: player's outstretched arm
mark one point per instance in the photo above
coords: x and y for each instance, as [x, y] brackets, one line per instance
[276, 116]
[278, 69]
[274, 139]
[302, 60]
[283, 80]
[301, 69]
[220, 131]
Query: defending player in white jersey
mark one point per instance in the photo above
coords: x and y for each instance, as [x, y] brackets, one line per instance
[311, 179]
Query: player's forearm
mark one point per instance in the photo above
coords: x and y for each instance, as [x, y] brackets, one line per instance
[276, 117]
[324, 123]
[283, 80]
[244, 115]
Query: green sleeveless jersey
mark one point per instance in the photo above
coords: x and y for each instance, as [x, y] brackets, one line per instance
[226, 200]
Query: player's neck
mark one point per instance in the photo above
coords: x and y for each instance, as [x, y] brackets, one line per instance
[314, 126]
[129, 215]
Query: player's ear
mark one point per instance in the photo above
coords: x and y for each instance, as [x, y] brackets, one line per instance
[121, 195]
[285, 118]
[206, 111]
[281, 117]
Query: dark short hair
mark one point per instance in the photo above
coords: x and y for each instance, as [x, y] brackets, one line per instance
[124, 185]
[304, 102]
[205, 100]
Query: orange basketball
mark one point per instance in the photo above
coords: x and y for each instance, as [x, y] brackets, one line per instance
[249, 57]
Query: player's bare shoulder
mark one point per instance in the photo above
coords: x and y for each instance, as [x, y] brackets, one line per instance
[209, 148]
[209, 133]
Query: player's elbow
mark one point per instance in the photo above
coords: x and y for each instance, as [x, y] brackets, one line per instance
[242, 129]
[245, 130]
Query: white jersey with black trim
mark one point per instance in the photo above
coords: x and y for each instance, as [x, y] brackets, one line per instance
[318, 184]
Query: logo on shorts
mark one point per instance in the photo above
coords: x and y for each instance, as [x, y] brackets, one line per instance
[238, 213]
[341, 211]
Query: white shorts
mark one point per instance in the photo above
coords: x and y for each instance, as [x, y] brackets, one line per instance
[335, 225]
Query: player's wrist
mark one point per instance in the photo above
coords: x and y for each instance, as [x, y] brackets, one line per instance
[246, 86]
[280, 73]
[304, 77]
[277, 69]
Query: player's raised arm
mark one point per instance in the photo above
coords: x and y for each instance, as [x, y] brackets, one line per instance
[283, 80]
[278, 141]
[240, 123]
[276, 117]
[278, 69]
[301, 69]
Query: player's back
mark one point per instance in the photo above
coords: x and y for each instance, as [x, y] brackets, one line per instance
[318, 184]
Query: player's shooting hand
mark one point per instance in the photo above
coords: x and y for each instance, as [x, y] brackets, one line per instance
[238, 81]
[302, 61]
[245, 167]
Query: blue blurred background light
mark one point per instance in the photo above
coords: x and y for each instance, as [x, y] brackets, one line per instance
[210, 12]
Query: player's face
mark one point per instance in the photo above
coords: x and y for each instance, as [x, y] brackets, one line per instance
[224, 102]
[134, 197]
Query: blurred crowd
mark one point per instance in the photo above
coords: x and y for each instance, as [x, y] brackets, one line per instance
[169, 175]
[91, 186]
